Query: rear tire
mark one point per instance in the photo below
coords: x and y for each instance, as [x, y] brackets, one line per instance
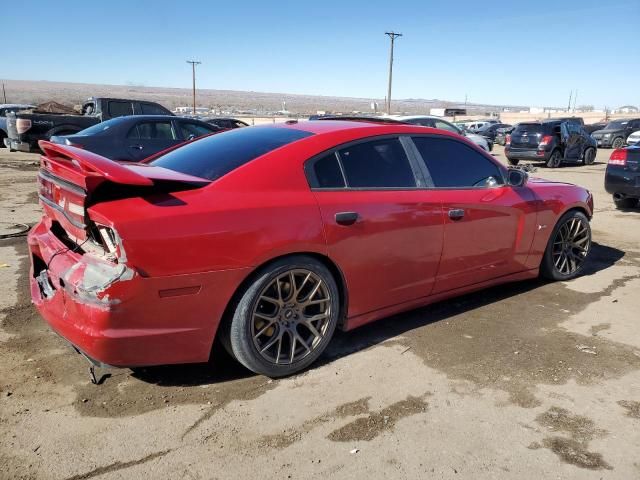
[589, 156]
[625, 202]
[274, 330]
[618, 142]
[513, 161]
[568, 247]
[555, 160]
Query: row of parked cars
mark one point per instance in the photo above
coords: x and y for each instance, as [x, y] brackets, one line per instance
[115, 128]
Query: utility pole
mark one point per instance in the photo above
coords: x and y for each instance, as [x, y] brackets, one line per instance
[193, 70]
[570, 95]
[392, 36]
[4, 94]
[575, 99]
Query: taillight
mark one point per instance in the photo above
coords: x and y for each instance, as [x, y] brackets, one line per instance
[618, 157]
[546, 140]
[507, 140]
[23, 124]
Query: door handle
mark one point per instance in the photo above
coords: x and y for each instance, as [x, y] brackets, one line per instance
[456, 214]
[346, 218]
[137, 147]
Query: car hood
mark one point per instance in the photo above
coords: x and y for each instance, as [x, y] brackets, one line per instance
[475, 138]
[609, 131]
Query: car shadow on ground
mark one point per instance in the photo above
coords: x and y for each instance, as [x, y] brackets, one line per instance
[222, 368]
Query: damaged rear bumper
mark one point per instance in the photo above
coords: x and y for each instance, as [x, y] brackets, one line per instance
[117, 317]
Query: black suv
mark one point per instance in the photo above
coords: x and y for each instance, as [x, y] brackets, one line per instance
[615, 134]
[490, 131]
[550, 141]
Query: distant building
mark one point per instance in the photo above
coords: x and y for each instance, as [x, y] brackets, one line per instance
[627, 109]
[199, 110]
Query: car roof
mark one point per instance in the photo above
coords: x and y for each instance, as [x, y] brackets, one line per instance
[131, 118]
[14, 105]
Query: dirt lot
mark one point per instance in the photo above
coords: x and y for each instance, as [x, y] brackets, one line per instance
[529, 380]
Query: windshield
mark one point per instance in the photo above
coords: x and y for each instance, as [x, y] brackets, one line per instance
[617, 125]
[98, 128]
[214, 156]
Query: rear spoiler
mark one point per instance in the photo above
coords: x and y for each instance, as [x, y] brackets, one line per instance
[89, 165]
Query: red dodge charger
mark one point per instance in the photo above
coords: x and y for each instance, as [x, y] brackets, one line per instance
[272, 237]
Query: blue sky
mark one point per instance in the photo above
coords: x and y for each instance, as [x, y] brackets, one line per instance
[509, 52]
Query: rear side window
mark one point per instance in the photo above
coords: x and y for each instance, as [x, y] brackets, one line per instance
[377, 164]
[453, 164]
[151, 109]
[119, 109]
[328, 173]
[215, 156]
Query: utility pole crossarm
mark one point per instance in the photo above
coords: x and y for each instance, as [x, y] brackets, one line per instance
[193, 71]
[392, 36]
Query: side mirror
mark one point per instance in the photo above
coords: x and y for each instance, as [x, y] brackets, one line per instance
[517, 177]
[191, 137]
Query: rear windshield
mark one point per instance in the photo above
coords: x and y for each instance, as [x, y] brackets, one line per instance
[214, 156]
[530, 128]
[99, 128]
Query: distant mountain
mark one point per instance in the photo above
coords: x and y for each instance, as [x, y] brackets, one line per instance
[26, 91]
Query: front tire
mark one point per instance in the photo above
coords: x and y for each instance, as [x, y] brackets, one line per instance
[555, 159]
[285, 318]
[568, 247]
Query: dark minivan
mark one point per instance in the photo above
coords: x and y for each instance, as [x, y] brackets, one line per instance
[550, 141]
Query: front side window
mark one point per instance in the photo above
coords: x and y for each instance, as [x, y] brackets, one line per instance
[193, 130]
[155, 131]
[452, 164]
[119, 109]
[377, 164]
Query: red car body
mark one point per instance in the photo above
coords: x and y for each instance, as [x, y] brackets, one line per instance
[178, 256]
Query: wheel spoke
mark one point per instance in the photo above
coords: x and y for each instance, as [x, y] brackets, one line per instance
[271, 342]
[301, 341]
[293, 347]
[312, 329]
[265, 328]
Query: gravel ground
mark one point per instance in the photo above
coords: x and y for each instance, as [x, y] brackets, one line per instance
[528, 380]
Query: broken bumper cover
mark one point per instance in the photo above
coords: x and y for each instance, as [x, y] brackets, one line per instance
[115, 316]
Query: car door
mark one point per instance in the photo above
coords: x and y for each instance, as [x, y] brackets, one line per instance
[571, 138]
[488, 226]
[381, 226]
[149, 137]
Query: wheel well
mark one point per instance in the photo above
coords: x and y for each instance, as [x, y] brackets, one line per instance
[326, 261]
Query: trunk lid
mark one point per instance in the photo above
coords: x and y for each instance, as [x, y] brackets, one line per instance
[71, 179]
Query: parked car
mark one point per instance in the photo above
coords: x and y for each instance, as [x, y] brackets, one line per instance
[5, 109]
[490, 131]
[271, 237]
[26, 129]
[225, 123]
[615, 134]
[594, 127]
[437, 122]
[633, 138]
[501, 135]
[550, 141]
[622, 177]
[136, 137]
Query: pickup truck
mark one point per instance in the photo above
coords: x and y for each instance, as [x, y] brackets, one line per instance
[5, 109]
[25, 129]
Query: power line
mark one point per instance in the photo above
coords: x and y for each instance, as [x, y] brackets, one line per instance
[392, 35]
[193, 69]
